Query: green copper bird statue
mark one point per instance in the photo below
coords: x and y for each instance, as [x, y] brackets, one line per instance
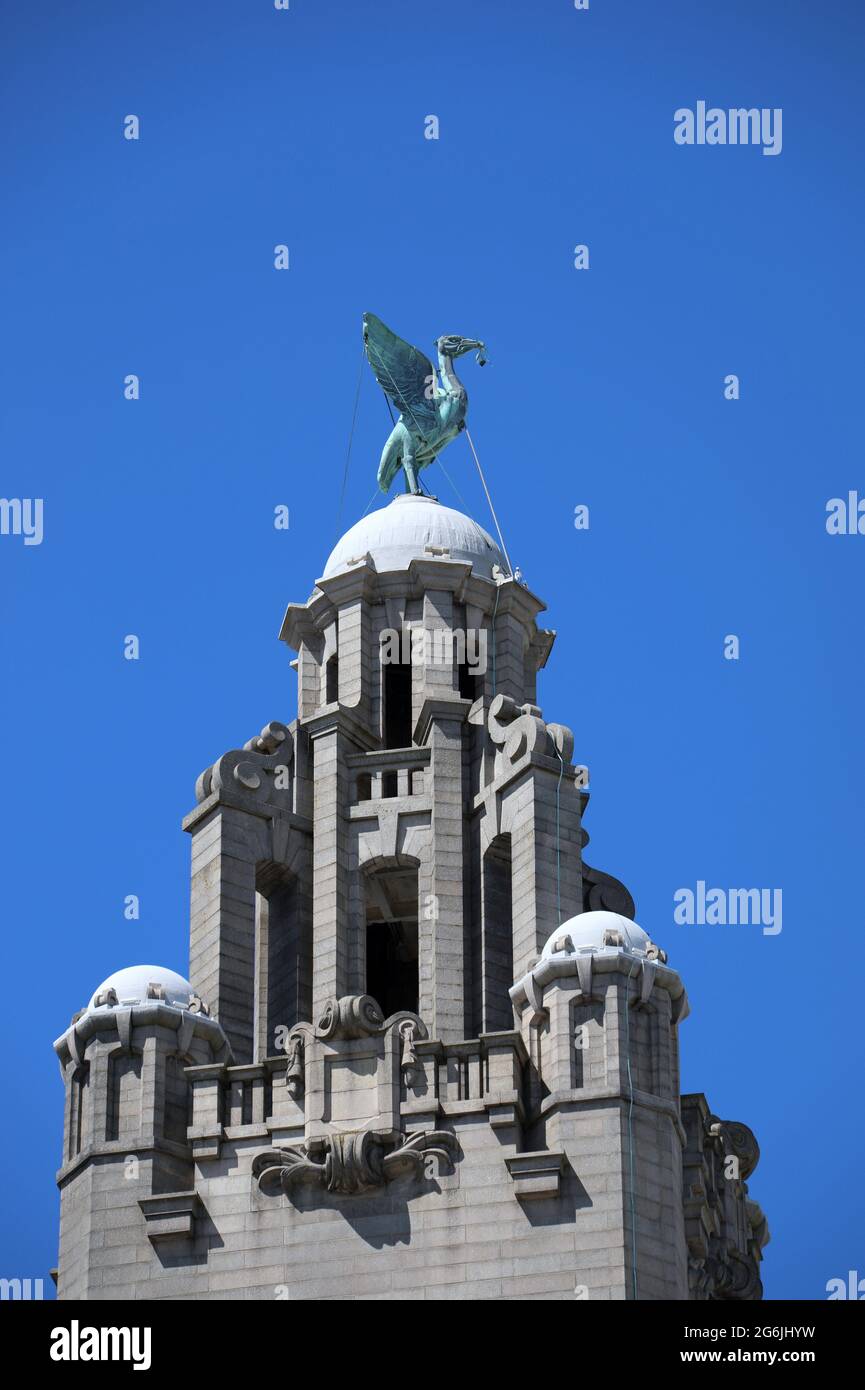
[431, 412]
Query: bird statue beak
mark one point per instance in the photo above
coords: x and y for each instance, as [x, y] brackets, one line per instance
[482, 355]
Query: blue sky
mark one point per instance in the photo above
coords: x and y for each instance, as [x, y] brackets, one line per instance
[604, 387]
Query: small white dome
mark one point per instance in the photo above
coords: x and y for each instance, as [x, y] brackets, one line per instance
[412, 528]
[130, 986]
[591, 931]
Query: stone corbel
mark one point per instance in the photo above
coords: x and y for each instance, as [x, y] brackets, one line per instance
[185, 1034]
[123, 1019]
[519, 731]
[536, 1175]
[171, 1217]
[584, 975]
[249, 772]
[648, 974]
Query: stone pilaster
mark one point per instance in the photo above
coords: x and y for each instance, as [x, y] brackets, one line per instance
[330, 895]
[542, 814]
[225, 851]
[441, 935]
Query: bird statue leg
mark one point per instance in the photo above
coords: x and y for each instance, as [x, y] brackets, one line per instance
[391, 456]
[410, 467]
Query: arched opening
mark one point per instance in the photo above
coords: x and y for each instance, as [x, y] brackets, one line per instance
[331, 680]
[78, 1109]
[396, 699]
[392, 939]
[178, 1100]
[467, 681]
[497, 943]
[282, 960]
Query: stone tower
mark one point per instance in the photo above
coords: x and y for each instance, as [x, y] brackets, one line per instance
[424, 1050]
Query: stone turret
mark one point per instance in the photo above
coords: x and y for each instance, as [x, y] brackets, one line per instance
[442, 1059]
[127, 1157]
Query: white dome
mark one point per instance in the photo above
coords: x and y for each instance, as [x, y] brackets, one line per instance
[130, 987]
[411, 528]
[594, 943]
[588, 932]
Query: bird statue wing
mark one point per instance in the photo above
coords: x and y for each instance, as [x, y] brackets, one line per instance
[402, 371]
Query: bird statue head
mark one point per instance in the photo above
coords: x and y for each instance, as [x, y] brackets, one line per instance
[452, 345]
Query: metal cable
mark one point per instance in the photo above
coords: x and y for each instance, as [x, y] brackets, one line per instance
[490, 501]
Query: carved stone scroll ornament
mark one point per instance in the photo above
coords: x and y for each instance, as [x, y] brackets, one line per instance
[353, 1016]
[727, 1229]
[349, 1031]
[359, 1016]
[520, 729]
[352, 1163]
[252, 770]
[726, 1275]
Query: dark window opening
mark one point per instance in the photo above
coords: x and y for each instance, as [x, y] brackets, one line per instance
[396, 679]
[364, 787]
[389, 784]
[392, 940]
[178, 1100]
[497, 966]
[80, 1084]
[391, 965]
[468, 683]
[331, 680]
[282, 968]
[282, 961]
